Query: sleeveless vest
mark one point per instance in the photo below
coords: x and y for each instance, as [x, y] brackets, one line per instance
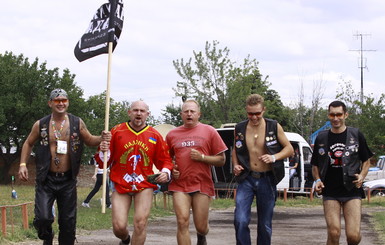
[43, 153]
[351, 163]
[272, 146]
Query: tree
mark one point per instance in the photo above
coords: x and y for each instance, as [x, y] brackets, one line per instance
[26, 87]
[220, 86]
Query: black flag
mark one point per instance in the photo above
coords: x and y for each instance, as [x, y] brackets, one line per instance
[105, 27]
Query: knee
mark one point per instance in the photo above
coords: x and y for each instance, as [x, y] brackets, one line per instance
[140, 224]
[334, 233]
[120, 230]
[241, 221]
[183, 223]
[203, 230]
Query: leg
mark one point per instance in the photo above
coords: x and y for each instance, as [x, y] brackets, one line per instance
[122, 205]
[332, 210]
[98, 183]
[352, 214]
[182, 204]
[44, 199]
[265, 199]
[108, 200]
[66, 202]
[200, 211]
[142, 202]
[244, 199]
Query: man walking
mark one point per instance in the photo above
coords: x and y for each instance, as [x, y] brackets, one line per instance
[340, 163]
[58, 156]
[260, 145]
[195, 147]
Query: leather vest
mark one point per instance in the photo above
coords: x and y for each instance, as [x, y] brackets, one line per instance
[272, 146]
[351, 163]
[43, 153]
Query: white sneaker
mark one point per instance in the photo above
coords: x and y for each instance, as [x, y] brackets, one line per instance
[86, 205]
[109, 206]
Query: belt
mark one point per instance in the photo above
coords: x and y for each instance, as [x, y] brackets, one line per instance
[258, 175]
[59, 174]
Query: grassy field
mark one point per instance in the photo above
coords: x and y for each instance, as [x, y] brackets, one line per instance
[93, 219]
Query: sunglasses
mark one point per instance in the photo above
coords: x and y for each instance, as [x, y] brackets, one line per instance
[258, 113]
[58, 101]
[333, 115]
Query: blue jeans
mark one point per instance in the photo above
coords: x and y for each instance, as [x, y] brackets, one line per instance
[266, 193]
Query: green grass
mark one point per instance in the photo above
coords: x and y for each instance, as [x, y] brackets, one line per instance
[93, 219]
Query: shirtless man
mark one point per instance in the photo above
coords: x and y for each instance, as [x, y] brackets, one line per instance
[260, 147]
[58, 156]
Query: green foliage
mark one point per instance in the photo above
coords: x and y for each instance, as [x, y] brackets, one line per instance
[171, 115]
[220, 86]
[26, 88]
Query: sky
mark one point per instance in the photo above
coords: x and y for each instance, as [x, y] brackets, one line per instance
[296, 42]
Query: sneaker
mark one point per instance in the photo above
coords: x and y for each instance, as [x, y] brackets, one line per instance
[109, 206]
[86, 205]
[201, 239]
[125, 242]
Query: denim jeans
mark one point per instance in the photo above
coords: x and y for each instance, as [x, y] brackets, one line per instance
[266, 192]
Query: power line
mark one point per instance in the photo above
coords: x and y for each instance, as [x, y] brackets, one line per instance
[361, 66]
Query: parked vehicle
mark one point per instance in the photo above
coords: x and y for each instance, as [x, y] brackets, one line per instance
[301, 182]
[377, 187]
[377, 172]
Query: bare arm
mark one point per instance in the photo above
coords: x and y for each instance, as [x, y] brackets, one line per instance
[319, 185]
[361, 176]
[216, 160]
[93, 140]
[286, 151]
[27, 149]
[237, 167]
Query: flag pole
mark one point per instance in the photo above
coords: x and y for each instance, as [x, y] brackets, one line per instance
[106, 127]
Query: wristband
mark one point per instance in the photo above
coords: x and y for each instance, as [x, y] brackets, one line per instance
[203, 157]
[317, 180]
[273, 156]
[23, 164]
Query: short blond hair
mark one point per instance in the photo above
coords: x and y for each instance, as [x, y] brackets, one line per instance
[255, 99]
[191, 101]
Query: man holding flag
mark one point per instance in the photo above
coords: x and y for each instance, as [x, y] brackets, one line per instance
[60, 138]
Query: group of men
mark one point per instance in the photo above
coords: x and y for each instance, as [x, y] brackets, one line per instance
[184, 160]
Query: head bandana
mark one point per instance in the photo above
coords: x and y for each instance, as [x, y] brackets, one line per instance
[58, 92]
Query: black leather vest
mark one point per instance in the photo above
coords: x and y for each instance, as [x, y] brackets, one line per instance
[351, 163]
[272, 146]
[43, 153]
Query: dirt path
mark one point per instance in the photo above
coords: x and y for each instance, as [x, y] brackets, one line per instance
[290, 226]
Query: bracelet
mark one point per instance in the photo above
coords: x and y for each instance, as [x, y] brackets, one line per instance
[273, 156]
[23, 164]
[317, 180]
[203, 157]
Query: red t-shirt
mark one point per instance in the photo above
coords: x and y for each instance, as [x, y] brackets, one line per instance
[194, 175]
[133, 155]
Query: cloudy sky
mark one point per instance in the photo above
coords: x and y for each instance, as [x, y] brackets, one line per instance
[295, 42]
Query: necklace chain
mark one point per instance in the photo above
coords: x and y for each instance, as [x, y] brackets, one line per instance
[56, 132]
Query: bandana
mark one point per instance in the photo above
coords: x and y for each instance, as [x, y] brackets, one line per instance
[57, 92]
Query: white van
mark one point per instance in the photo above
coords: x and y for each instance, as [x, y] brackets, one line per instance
[301, 182]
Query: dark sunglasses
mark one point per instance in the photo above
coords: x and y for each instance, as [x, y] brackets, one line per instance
[254, 113]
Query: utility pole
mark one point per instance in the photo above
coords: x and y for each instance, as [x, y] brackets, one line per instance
[362, 66]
